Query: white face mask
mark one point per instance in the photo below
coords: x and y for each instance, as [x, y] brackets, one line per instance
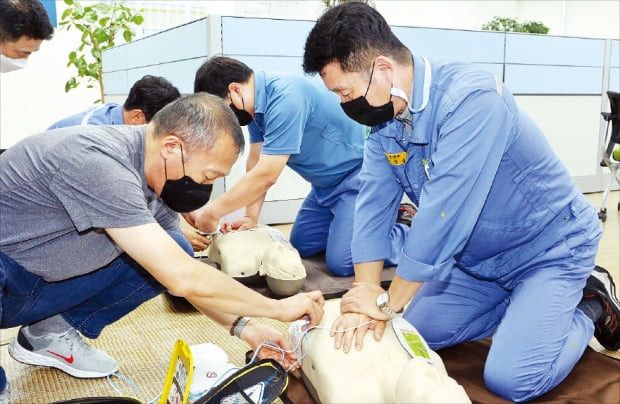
[8, 65]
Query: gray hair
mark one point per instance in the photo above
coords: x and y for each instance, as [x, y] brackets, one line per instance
[198, 120]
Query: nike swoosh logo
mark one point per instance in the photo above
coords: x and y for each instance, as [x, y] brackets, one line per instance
[68, 359]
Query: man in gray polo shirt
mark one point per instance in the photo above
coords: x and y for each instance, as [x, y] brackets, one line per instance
[90, 231]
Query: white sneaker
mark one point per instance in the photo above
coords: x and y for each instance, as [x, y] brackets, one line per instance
[67, 352]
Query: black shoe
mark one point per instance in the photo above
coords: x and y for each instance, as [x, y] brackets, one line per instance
[406, 211]
[607, 328]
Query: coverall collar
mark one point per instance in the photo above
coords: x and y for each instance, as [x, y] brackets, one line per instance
[419, 100]
[421, 89]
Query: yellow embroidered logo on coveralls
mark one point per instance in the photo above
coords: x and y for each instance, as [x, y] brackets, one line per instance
[396, 159]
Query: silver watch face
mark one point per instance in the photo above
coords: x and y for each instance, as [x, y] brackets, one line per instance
[383, 299]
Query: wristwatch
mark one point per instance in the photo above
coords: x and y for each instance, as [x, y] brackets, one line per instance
[383, 301]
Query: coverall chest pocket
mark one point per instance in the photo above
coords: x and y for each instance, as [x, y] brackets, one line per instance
[401, 158]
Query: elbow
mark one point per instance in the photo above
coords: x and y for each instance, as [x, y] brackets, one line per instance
[270, 182]
[183, 287]
[180, 289]
[266, 183]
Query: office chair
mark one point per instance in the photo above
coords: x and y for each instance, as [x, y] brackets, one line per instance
[613, 119]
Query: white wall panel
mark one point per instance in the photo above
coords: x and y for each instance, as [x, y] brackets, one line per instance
[182, 73]
[116, 82]
[287, 64]
[614, 79]
[615, 53]
[571, 124]
[539, 79]
[553, 50]
[466, 46]
[115, 59]
[188, 41]
[145, 52]
[496, 69]
[263, 36]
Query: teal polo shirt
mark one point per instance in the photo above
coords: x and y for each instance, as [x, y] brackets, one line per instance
[298, 116]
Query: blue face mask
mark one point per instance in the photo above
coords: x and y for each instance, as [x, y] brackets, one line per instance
[185, 194]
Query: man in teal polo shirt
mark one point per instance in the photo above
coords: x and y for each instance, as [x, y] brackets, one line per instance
[292, 121]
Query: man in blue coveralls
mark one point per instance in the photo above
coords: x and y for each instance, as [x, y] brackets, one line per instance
[503, 243]
[147, 96]
[292, 121]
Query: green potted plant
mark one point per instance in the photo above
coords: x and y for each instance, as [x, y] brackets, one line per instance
[99, 23]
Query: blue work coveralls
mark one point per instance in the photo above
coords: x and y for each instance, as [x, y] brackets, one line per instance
[503, 239]
[106, 114]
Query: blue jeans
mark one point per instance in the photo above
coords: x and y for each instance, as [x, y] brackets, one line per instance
[88, 302]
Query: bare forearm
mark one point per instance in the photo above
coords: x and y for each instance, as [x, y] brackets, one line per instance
[212, 291]
[223, 319]
[402, 291]
[247, 191]
[253, 209]
[369, 272]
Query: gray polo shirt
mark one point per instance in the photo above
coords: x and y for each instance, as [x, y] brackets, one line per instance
[59, 190]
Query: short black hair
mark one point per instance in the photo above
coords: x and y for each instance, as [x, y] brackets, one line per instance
[352, 33]
[24, 18]
[150, 94]
[217, 73]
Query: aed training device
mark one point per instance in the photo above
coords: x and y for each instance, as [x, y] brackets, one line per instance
[179, 377]
[411, 339]
[259, 382]
[297, 330]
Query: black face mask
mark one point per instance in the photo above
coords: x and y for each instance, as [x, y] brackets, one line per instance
[361, 111]
[185, 194]
[243, 116]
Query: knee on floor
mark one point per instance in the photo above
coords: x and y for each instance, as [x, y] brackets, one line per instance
[514, 382]
[339, 268]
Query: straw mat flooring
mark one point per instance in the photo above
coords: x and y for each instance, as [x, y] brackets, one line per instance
[142, 343]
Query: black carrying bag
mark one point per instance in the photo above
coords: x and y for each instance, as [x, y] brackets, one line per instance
[260, 382]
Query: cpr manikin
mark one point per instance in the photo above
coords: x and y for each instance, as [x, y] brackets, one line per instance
[262, 251]
[382, 372]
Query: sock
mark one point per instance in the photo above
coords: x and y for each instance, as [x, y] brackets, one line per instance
[591, 307]
[55, 324]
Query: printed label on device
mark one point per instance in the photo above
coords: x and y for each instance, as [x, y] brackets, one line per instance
[296, 331]
[411, 340]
